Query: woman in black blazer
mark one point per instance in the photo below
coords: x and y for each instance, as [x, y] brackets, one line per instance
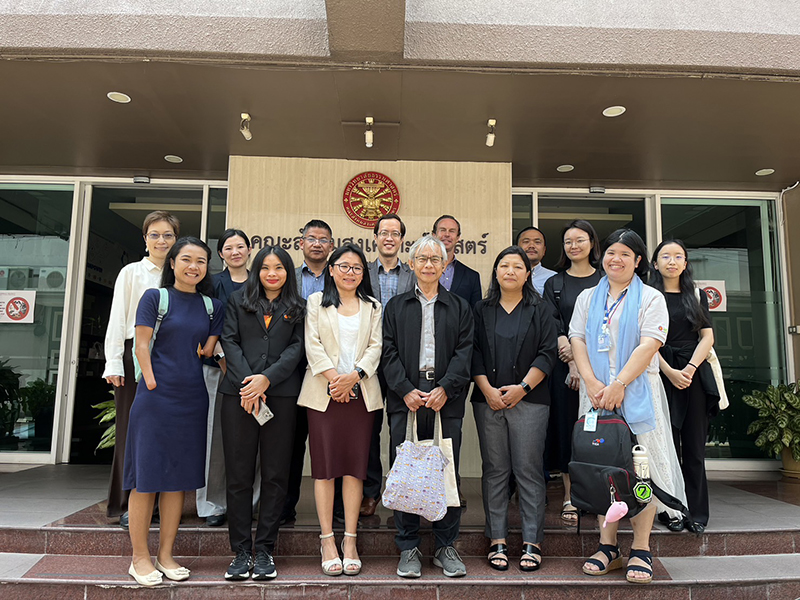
[263, 343]
[515, 349]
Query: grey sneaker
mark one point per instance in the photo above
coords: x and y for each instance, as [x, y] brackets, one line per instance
[448, 559]
[410, 565]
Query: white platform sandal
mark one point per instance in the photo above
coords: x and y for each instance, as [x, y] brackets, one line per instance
[331, 567]
[352, 566]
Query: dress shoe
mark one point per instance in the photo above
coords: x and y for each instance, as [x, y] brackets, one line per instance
[695, 527]
[368, 506]
[216, 520]
[123, 520]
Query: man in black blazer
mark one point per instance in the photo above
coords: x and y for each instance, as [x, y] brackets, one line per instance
[457, 277]
[389, 277]
[427, 354]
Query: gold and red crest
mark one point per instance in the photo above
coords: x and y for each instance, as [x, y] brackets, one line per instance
[369, 196]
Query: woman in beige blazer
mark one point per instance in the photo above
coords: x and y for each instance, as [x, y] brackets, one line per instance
[343, 338]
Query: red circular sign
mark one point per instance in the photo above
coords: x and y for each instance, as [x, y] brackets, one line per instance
[714, 297]
[17, 308]
[369, 196]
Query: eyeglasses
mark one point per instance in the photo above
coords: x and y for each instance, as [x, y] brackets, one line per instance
[395, 235]
[345, 268]
[677, 258]
[168, 237]
[320, 241]
[578, 242]
[434, 260]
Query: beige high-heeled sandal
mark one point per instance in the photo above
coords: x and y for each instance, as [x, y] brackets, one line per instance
[350, 562]
[329, 567]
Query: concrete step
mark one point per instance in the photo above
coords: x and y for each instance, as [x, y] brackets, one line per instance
[379, 541]
[60, 577]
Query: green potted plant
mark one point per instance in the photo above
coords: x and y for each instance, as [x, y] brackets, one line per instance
[10, 403]
[108, 413]
[778, 424]
[39, 400]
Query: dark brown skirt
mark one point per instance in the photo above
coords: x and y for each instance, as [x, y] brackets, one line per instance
[339, 439]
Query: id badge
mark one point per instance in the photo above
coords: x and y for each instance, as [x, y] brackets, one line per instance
[590, 423]
[603, 342]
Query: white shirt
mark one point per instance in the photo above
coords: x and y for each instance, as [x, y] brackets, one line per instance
[348, 342]
[131, 284]
[540, 274]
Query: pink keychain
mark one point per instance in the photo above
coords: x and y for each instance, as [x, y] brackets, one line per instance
[615, 512]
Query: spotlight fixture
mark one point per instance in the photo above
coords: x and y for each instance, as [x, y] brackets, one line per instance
[244, 127]
[764, 172]
[614, 111]
[490, 136]
[118, 97]
[369, 136]
[564, 168]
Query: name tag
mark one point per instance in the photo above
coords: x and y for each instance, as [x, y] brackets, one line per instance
[590, 423]
[603, 342]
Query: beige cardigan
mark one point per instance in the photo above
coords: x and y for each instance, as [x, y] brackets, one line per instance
[322, 352]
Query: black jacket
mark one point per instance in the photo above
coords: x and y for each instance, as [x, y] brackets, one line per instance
[466, 283]
[251, 348]
[537, 345]
[402, 327]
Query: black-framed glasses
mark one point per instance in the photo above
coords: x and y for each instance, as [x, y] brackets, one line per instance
[345, 268]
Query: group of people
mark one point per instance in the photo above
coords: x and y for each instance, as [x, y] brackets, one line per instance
[242, 368]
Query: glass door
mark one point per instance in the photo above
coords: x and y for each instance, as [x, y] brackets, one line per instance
[732, 244]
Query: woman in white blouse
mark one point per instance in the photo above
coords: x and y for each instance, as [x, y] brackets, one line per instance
[343, 338]
[160, 230]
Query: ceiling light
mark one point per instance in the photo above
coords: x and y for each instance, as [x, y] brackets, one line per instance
[564, 168]
[369, 136]
[614, 111]
[763, 172]
[118, 97]
[490, 136]
[244, 127]
[173, 158]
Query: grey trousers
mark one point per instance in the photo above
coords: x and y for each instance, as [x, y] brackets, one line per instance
[512, 440]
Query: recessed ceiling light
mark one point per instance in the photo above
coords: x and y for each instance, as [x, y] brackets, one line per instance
[172, 158]
[564, 168]
[614, 111]
[763, 172]
[118, 97]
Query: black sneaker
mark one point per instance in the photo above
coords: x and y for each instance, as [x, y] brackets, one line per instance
[264, 566]
[240, 566]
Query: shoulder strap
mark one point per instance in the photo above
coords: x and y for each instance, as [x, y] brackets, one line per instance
[163, 307]
[209, 306]
[558, 285]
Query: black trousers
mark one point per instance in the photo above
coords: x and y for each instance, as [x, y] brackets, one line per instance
[374, 481]
[242, 440]
[296, 462]
[123, 400]
[445, 532]
[690, 444]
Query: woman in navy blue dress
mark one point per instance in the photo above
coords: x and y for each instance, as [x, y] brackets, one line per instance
[166, 443]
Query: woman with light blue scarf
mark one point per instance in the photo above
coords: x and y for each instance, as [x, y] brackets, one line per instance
[615, 333]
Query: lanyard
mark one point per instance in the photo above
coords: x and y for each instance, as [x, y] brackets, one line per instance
[609, 312]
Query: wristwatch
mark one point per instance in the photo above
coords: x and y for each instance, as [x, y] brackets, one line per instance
[219, 357]
[525, 386]
[361, 373]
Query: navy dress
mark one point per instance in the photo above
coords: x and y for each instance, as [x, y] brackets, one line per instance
[166, 446]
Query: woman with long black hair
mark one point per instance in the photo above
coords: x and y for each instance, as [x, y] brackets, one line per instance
[166, 444]
[341, 390]
[263, 343]
[688, 380]
[578, 270]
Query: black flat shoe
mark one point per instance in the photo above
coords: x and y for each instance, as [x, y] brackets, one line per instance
[675, 524]
[216, 520]
[695, 527]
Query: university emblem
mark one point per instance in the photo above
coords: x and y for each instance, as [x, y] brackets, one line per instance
[369, 196]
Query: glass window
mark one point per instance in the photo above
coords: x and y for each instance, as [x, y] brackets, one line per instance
[34, 246]
[521, 214]
[217, 205]
[734, 241]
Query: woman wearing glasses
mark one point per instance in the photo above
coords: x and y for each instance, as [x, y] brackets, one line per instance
[160, 229]
[343, 347]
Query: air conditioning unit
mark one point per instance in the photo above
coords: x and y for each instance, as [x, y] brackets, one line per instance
[14, 278]
[52, 278]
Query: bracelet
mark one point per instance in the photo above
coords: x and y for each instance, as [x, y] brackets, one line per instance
[692, 365]
[624, 385]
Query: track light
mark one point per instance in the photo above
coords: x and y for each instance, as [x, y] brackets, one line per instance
[490, 136]
[244, 128]
[368, 134]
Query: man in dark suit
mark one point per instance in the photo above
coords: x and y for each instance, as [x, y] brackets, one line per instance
[389, 277]
[457, 277]
[427, 354]
[317, 244]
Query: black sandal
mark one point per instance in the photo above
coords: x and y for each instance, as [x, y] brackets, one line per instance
[498, 552]
[645, 556]
[614, 556]
[530, 553]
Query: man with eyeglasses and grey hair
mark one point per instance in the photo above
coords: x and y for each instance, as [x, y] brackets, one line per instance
[427, 353]
[389, 277]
